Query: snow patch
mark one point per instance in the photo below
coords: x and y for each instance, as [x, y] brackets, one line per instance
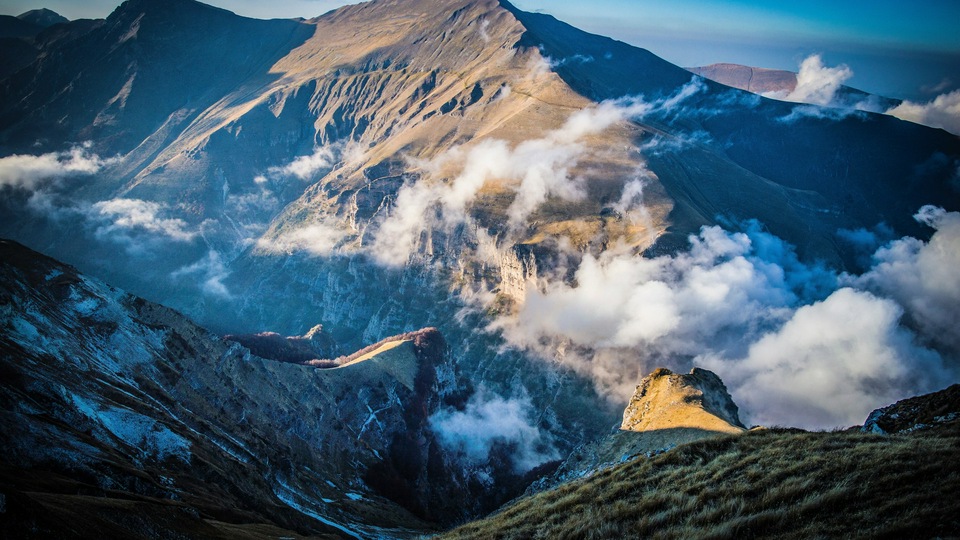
[151, 437]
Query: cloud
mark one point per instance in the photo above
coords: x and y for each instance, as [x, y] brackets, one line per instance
[942, 112]
[210, 272]
[489, 421]
[30, 172]
[535, 170]
[818, 84]
[830, 364]
[484, 25]
[923, 278]
[729, 285]
[821, 113]
[305, 167]
[744, 305]
[820, 89]
[320, 238]
[122, 219]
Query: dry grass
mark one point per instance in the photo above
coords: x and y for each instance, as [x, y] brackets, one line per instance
[761, 484]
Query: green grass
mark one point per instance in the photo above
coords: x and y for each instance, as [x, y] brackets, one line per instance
[771, 483]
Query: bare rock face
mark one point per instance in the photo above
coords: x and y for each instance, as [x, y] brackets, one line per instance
[917, 413]
[105, 394]
[667, 410]
[665, 400]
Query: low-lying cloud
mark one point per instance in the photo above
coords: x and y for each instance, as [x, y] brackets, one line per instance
[820, 90]
[209, 273]
[489, 420]
[942, 112]
[122, 217]
[830, 364]
[818, 84]
[319, 238]
[923, 278]
[30, 172]
[796, 343]
[535, 170]
[303, 167]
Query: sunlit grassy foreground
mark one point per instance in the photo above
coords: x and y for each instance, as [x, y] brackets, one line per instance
[768, 483]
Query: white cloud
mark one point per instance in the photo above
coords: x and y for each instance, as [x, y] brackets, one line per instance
[830, 365]
[923, 277]
[120, 217]
[320, 238]
[29, 172]
[819, 89]
[822, 113]
[484, 25]
[818, 84]
[942, 112]
[489, 420]
[743, 305]
[305, 167]
[535, 170]
[209, 272]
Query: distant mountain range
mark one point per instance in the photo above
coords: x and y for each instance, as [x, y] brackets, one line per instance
[776, 82]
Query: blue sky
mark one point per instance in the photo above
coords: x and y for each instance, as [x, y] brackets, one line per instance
[895, 48]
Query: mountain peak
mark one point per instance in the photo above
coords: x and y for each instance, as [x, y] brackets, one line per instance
[42, 17]
[665, 400]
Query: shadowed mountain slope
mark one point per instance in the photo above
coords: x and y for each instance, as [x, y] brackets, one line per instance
[118, 407]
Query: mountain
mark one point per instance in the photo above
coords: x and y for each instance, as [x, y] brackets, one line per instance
[780, 83]
[16, 27]
[666, 410]
[43, 17]
[916, 413]
[767, 483]
[751, 79]
[127, 413]
[24, 37]
[461, 165]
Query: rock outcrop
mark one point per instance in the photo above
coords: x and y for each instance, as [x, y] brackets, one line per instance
[666, 410]
[665, 400]
[917, 413]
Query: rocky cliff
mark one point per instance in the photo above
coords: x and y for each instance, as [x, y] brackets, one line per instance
[106, 395]
[666, 410]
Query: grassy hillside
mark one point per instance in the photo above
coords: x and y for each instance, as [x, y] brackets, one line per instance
[772, 483]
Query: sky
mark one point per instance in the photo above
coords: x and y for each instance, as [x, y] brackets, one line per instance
[896, 49]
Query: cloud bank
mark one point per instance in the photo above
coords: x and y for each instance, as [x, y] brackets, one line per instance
[489, 421]
[942, 112]
[796, 343]
[817, 84]
[534, 170]
[819, 88]
[30, 172]
[120, 218]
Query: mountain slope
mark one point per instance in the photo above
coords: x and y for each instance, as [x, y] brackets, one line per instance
[106, 394]
[781, 83]
[666, 410]
[397, 165]
[762, 484]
